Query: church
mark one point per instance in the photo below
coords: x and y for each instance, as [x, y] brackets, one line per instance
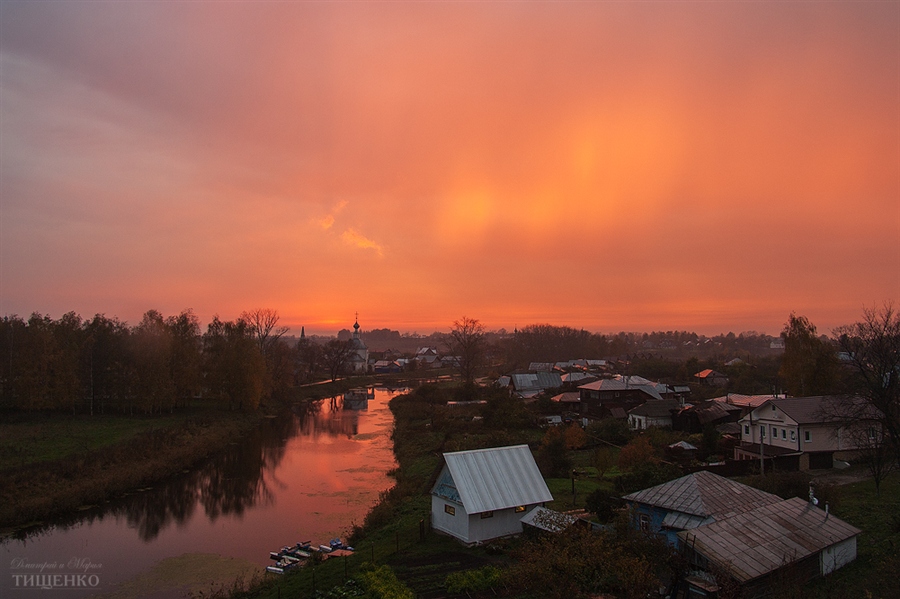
[358, 360]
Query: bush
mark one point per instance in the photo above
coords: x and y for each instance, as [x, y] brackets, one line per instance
[382, 583]
[473, 581]
[602, 503]
[610, 430]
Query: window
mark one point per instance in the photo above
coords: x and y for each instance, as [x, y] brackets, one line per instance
[793, 435]
[746, 429]
[774, 433]
[644, 521]
[487, 515]
[520, 509]
[762, 432]
[450, 509]
[784, 434]
[807, 436]
[871, 434]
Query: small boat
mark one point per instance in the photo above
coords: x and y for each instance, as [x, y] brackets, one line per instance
[285, 563]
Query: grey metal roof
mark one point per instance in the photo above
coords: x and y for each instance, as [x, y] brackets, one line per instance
[537, 380]
[704, 494]
[496, 478]
[763, 540]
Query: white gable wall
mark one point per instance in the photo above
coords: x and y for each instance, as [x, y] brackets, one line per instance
[456, 525]
[837, 556]
[472, 528]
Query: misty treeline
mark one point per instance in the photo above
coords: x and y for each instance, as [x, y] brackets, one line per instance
[102, 364]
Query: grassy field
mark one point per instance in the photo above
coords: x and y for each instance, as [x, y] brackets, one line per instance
[874, 574]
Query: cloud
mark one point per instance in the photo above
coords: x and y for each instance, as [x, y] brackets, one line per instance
[327, 221]
[353, 238]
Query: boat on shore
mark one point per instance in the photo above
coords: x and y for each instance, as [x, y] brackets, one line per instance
[291, 556]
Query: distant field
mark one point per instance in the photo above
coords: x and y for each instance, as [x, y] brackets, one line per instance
[45, 439]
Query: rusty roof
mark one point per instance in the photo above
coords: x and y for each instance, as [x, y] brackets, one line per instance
[704, 494]
[763, 540]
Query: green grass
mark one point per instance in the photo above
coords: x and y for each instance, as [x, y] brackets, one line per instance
[41, 439]
[874, 573]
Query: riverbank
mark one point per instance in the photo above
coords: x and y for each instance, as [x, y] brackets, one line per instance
[54, 465]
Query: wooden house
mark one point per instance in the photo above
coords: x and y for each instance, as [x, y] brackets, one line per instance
[483, 494]
[692, 501]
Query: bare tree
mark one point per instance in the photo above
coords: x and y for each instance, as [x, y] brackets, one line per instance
[262, 324]
[334, 357]
[871, 347]
[467, 346]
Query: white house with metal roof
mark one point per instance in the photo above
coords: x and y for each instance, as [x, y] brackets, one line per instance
[483, 494]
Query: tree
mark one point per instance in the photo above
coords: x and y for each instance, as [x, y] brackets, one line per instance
[871, 348]
[334, 357]
[603, 459]
[637, 452]
[262, 325]
[810, 365]
[186, 354]
[552, 457]
[235, 368]
[467, 346]
[309, 356]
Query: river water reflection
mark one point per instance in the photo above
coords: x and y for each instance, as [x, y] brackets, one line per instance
[306, 476]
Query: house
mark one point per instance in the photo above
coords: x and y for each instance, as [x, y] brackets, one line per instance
[801, 433]
[746, 402]
[692, 501]
[530, 384]
[790, 541]
[614, 397]
[568, 399]
[484, 493]
[696, 417]
[657, 412]
[386, 366]
[712, 378]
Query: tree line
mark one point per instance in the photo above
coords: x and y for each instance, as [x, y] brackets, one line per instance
[103, 365]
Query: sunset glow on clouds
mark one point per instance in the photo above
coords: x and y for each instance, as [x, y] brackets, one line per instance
[612, 166]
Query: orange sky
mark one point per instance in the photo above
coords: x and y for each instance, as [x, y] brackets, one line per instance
[612, 166]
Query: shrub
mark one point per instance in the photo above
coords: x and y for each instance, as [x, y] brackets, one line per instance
[473, 581]
[382, 583]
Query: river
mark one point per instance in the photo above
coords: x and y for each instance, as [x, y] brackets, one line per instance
[302, 477]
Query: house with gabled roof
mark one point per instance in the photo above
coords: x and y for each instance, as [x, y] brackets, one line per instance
[656, 412]
[711, 377]
[483, 494]
[692, 501]
[614, 397]
[791, 541]
[800, 432]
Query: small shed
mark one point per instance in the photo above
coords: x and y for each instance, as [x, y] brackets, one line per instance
[483, 494]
